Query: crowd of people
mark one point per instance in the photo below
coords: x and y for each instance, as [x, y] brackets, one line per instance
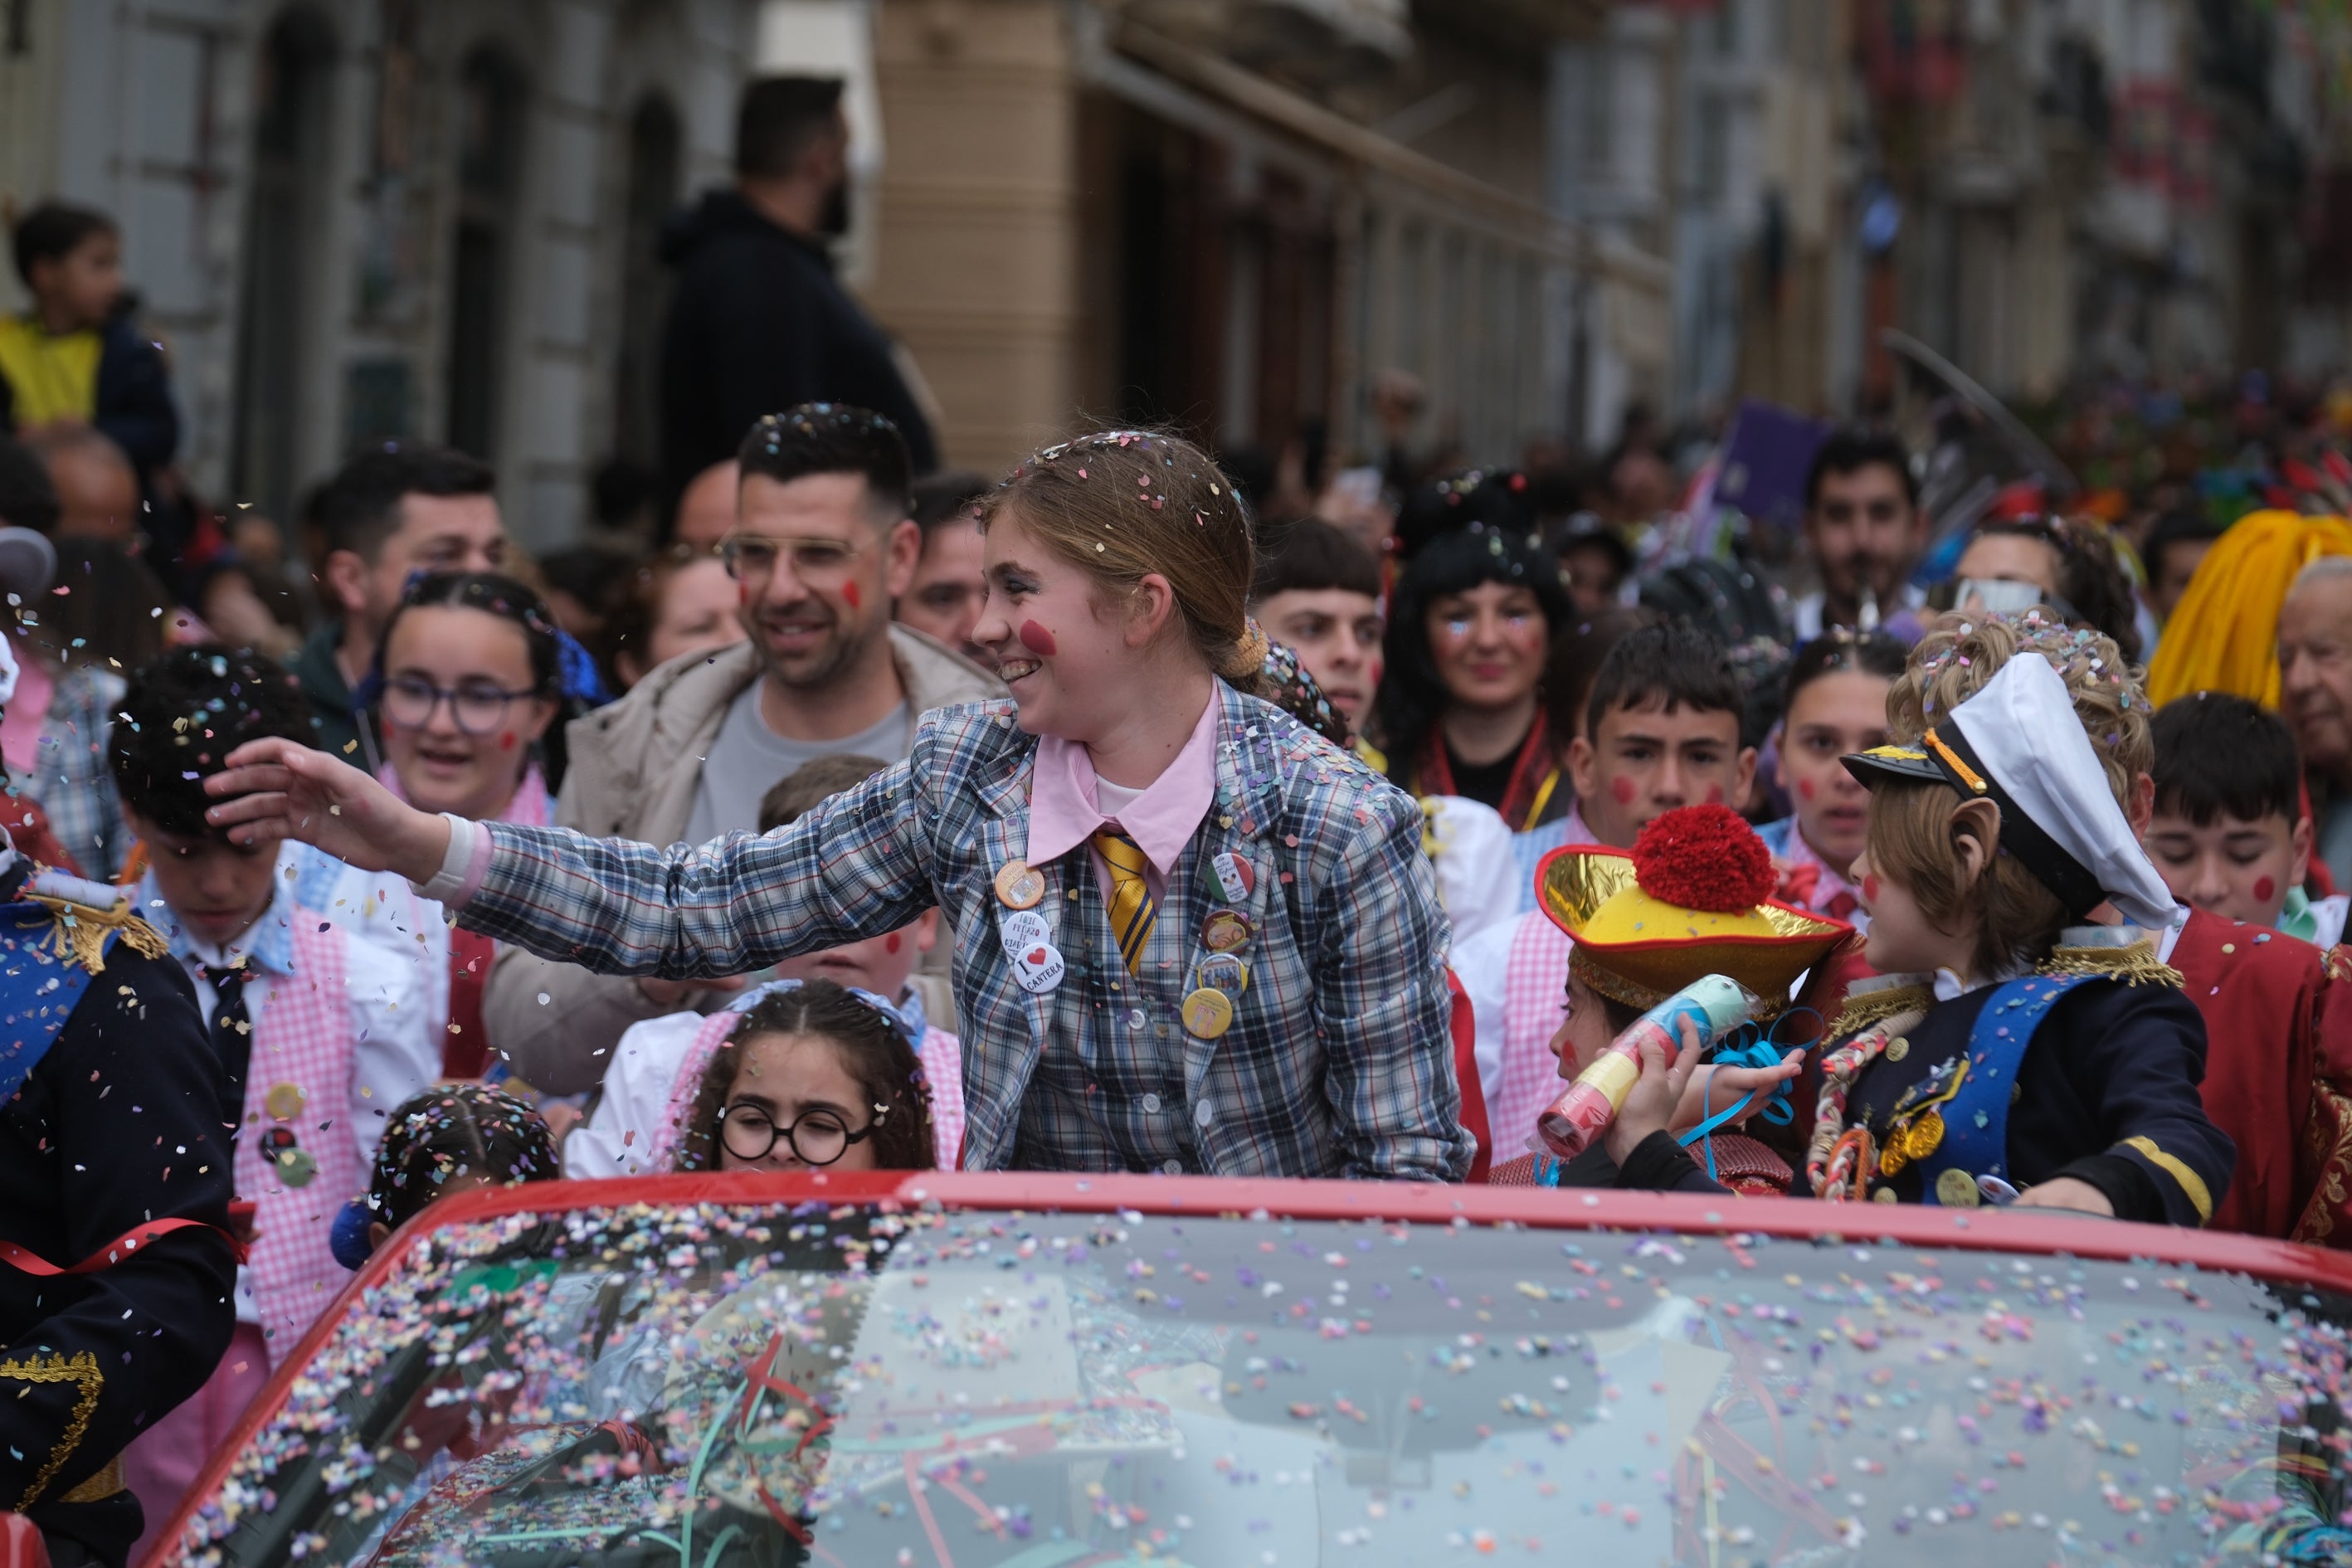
[1134, 812]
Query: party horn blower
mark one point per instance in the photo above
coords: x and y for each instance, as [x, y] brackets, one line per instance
[1715, 1003]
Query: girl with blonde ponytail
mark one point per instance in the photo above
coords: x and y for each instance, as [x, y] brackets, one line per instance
[1192, 935]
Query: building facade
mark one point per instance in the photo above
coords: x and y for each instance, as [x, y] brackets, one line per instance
[352, 221]
[356, 220]
[1231, 216]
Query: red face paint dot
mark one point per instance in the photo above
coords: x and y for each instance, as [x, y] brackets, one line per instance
[1622, 789]
[1037, 639]
[890, 944]
[1715, 794]
[2264, 887]
[1870, 889]
[1805, 790]
[849, 592]
[509, 740]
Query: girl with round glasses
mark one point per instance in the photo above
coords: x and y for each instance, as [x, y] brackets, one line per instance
[813, 1076]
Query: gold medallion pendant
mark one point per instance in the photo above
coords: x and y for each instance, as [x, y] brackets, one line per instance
[1923, 1136]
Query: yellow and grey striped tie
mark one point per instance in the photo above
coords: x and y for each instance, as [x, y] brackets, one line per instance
[1131, 910]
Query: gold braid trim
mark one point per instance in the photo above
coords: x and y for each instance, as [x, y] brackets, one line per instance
[2134, 965]
[2328, 1146]
[1861, 1012]
[83, 1372]
[80, 930]
[1616, 987]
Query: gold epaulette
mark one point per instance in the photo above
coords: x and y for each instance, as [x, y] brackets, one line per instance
[1877, 1007]
[2134, 964]
[80, 929]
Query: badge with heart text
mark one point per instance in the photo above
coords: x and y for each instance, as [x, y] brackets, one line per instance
[1038, 969]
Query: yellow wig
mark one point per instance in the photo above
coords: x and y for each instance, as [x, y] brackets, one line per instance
[2224, 636]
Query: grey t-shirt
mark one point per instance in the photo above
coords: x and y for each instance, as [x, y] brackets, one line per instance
[747, 758]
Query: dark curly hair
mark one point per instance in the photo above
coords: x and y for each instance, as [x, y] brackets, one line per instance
[183, 714]
[875, 1050]
[456, 1130]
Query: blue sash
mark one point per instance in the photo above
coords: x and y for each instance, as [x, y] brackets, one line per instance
[1976, 1123]
[38, 991]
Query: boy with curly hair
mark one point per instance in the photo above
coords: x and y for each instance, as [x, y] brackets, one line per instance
[2015, 1050]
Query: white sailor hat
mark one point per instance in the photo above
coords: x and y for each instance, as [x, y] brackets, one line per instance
[2019, 745]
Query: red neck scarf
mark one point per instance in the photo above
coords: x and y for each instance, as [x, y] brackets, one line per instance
[1534, 775]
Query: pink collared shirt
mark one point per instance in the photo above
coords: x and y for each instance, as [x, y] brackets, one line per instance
[1067, 802]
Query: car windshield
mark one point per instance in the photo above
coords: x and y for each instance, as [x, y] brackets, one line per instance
[708, 1386]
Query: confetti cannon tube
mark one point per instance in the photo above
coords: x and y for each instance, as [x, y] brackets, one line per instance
[1715, 1004]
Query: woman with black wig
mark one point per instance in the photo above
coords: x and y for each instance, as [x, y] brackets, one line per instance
[1460, 705]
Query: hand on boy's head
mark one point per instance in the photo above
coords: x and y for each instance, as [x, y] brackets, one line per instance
[275, 789]
[2237, 869]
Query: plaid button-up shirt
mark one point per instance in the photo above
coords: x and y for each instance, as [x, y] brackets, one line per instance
[1338, 1062]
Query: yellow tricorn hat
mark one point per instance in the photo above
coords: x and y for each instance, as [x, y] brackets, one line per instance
[1693, 899]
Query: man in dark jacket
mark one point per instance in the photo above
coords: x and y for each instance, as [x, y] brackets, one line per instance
[758, 323]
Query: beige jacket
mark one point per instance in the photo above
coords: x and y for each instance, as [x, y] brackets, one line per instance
[635, 767]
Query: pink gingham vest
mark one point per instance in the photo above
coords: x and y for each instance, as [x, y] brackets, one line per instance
[302, 1036]
[1535, 1000]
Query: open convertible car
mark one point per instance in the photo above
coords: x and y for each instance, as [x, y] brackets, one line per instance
[1018, 1372]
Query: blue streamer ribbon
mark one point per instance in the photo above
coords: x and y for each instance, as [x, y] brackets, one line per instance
[1764, 1051]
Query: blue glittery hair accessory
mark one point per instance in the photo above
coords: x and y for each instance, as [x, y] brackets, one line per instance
[576, 671]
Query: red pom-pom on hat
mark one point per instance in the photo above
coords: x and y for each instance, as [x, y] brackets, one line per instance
[1704, 857]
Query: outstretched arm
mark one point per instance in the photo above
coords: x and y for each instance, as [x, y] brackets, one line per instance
[854, 867]
[276, 789]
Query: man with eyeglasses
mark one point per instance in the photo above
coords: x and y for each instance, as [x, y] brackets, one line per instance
[823, 544]
[1865, 534]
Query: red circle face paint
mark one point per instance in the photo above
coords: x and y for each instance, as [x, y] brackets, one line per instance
[849, 592]
[892, 942]
[1870, 889]
[1715, 794]
[2263, 888]
[1805, 790]
[509, 740]
[1622, 788]
[1037, 639]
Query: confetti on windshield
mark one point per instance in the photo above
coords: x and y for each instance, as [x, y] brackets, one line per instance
[717, 1386]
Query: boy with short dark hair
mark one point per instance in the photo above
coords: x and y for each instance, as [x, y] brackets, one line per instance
[75, 358]
[318, 1033]
[1662, 731]
[2230, 836]
[382, 518]
[1318, 593]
